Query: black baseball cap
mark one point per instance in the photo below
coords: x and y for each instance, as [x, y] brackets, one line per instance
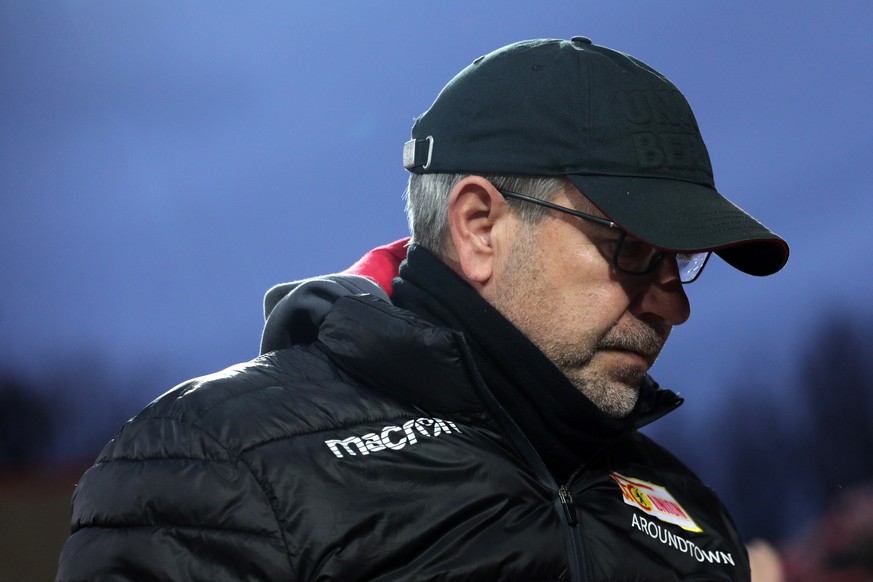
[619, 130]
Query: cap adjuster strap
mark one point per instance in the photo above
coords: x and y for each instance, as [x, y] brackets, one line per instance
[418, 152]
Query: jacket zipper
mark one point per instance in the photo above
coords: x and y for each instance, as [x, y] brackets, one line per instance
[577, 561]
[569, 506]
[563, 501]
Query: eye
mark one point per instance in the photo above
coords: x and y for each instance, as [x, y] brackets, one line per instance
[633, 248]
[608, 246]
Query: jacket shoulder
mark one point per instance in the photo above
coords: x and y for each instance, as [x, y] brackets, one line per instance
[183, 474]
[277, 395]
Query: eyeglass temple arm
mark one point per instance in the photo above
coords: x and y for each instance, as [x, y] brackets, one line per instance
[591, 217]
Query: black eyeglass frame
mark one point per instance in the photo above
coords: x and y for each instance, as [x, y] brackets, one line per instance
[622, 235]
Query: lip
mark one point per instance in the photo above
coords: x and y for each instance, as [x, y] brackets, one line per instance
[646, 359]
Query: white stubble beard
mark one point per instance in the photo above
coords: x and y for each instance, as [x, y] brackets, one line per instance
[519, 299]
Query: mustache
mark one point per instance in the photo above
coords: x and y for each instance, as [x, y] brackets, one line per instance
[643, 336]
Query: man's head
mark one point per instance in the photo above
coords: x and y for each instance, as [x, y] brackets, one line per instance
[613, 142]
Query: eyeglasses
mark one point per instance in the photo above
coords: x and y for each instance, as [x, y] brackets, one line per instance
[631, 256]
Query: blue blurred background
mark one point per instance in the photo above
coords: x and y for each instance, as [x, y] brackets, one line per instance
[163, 163]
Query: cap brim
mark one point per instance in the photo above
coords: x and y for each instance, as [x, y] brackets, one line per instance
[686, 217]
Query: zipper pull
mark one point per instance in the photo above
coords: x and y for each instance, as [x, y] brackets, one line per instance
[567, 503]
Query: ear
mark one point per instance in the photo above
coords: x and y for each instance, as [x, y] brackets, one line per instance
[479, 224]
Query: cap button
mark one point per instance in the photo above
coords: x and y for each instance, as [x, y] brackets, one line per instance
[577, 40]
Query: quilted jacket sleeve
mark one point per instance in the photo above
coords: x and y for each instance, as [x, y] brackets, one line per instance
[166, 501]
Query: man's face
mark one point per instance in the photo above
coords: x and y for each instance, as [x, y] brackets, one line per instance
[602, 329]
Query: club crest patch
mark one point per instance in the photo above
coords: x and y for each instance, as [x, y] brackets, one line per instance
[655, 501]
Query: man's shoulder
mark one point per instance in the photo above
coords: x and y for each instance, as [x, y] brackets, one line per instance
[208, 397]
[278, 395]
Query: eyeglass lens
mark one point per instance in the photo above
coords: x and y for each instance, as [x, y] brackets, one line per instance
[690, 265]
[638, 258]
[631, 256]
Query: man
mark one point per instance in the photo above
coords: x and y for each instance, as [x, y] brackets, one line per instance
[482, 424]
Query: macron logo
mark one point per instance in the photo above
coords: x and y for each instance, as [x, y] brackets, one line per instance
[392, 437]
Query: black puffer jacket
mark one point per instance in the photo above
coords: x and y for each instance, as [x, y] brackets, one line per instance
[371, 449]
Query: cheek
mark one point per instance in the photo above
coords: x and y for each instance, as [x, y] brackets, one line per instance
[581, 313]
[571, 296]
[589, 291]
[583, 265]
[586, 317]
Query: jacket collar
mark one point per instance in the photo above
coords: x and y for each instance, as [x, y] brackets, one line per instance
[415, 351]
[564, 426]
[399, 353]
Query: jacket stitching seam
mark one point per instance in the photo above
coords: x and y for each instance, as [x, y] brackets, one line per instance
[228, 530]
[236, 459]
[230, 397]
[305, 381]
[129, 459]
[270, 497]
[191, 425]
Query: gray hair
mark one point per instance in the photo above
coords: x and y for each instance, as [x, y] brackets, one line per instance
[427, 198]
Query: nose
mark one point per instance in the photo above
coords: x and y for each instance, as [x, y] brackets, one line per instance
[663, 295]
